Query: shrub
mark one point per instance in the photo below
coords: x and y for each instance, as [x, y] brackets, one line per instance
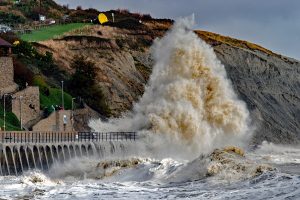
[27, 53]
[82, 83]
[9, 37]
[10, 18]
[22, 74]
[40, 81]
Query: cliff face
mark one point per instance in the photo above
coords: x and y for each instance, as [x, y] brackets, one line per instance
[271, 88]
[269, 83]
[121, 57]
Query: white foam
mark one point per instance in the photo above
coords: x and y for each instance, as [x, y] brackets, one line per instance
[189, 101]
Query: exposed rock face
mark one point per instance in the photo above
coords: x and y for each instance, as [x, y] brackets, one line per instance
[82, 118]
[121, 59]
[271, 88]
[267, 82]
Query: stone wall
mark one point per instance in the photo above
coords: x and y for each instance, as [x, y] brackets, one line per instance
[55, 122]
[30, 103]
[7, 84]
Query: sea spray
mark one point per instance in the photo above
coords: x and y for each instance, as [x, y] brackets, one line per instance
[189, 103]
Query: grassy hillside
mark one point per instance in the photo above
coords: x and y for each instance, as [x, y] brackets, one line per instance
[214, 38]
[12, 122]
[54, 98]
[51, 96]
[51, 32]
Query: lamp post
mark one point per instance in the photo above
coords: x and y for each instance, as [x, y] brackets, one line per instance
[20, 101]
[62, 95]
[4, 112]
[72, 115]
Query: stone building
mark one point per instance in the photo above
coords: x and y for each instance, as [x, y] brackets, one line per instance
[25, 104]
[57, 121]
[7, 84]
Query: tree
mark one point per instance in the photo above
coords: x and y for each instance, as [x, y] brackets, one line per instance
[85, 72]
[83, 84]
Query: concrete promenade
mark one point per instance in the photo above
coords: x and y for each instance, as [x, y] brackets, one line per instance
[26, 150]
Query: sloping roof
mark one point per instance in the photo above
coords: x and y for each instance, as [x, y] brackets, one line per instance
[4, 43]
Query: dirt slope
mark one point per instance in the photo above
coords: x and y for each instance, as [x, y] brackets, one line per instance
[269, 83]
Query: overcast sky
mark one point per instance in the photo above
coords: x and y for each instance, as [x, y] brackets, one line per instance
[274, 24]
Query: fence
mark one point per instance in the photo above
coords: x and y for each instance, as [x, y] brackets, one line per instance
[60, 137]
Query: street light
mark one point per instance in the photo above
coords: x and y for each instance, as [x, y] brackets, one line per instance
[20, 101]
[4, 113]
[72, 115]
[4, 110]
[62, 95]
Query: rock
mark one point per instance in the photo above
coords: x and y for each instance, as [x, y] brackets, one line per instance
[235, 150]
[269, 83]
[109, 168]
[270, 86]
[232, 162]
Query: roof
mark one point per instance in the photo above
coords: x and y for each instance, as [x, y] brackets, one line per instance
[4, 43]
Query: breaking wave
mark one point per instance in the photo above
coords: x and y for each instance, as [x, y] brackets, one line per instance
[188, 98]
[188, 110]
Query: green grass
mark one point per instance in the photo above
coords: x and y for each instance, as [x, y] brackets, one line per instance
[51, 32]
[12, 122]
[54, 98]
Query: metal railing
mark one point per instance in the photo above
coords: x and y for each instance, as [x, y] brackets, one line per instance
[60, 137]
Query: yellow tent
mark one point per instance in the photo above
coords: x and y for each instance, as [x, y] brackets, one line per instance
[102, 18]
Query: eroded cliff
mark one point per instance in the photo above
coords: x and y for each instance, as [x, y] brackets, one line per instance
[269, 83]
